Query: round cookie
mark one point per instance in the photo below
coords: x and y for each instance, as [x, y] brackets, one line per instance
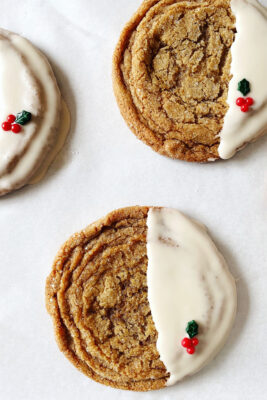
[34, 119]
[172, 69]
[110, 307]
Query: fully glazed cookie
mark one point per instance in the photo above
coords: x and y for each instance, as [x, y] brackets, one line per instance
[34, 119]
[124, 292]
[176, 70]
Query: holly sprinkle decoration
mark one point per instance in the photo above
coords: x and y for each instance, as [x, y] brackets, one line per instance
[244, 102]
[192, 329]
[249, 101]
[244, 87]
[14, 123]
[6, 126]
[23, 117]
[16, 128]
[191, 342]
[11, 118]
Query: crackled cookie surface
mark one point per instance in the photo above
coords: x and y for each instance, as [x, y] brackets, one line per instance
[29, 93]
[122, 291]
[171, 75]
[97, 296]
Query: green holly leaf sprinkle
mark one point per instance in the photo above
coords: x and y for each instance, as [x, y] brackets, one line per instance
[244, 87]
[23, 117]
[192, 329]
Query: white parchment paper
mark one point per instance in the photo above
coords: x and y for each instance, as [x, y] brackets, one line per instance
[103, 167]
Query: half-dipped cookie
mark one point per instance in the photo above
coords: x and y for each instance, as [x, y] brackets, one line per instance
[34, 119]
[141, 298]
[189, 76]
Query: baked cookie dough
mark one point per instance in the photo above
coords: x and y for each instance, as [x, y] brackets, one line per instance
[34, 118]
[124, 292]
[176, 74]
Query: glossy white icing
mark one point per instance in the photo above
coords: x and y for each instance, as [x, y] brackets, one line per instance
[60, 140]
[26, 82]
[188, 279]
[18, 91]
[249, 61]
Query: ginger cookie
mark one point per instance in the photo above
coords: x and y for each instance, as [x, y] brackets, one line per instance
[34, 119]
[179, 70]
[141, 298]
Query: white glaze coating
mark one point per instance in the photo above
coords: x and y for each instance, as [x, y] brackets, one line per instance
[26, 82]
[187, 279]
[18, 91]
[60, 140]
[249, 61]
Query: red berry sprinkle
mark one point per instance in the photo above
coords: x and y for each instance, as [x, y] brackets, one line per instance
[245, 108]
[194, 341]
[11, 118]
[249, 101]
[6, 126]
[190, 350]
[240, 101]
[186, 342]
[16, 128]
